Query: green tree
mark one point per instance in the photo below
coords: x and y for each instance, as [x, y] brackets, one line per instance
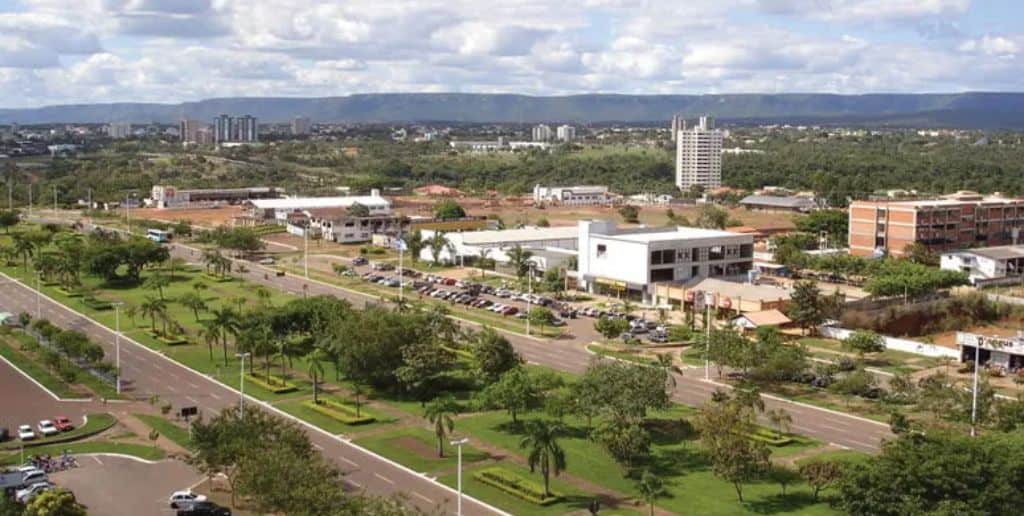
[519, 259]
[55, 502]
[805, 306]
[712, 217]
[153, 309]
[157, 282]
[627, 442]
[863, 342]
[781, 420]
[541, 316]
[358, 210]
[437, 244]
[316, 359]
[921, 254]
[493, 354]
[415, 244]
[225, 322]
[630, 214]
[651, 488]
[439, 413]
[544, 452]
[448, 209]
[833, 223]
[734, 456]
[515, 392]
[611, 327]
[9, 219]
[423, 363]
[821, 474]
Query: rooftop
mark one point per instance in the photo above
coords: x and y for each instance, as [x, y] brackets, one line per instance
[298, 203]
[528, 234]
[956, 199]
[782, 202]
[648, 235]
[737, 290]
[1003, 252]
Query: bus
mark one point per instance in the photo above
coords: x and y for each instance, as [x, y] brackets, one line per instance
[159, 236]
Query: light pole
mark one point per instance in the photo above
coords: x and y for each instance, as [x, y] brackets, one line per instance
[39, 310]
[458, 444]
[54, 198]
[305, 249]
[241, 382]
[128, 214]
[974, 396]
[708, 299]
[529, 297]
[117, 343]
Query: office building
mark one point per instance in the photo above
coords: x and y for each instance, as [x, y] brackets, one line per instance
[778, 203]
[228, 129]
[300, 126]
[957, 221]
[632, 261]
[566, 133]
[119, 130]
[992, 351]
[572, 195]
[280, 209]
[189, 130]
[165, 196]
[495, 244]
[698, 154]
[541, 133]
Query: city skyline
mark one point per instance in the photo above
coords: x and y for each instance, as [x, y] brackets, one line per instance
[59, 52]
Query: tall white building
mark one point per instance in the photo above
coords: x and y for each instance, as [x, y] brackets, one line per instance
[566, 133]
[235, 129]
[698, 154]
[541, 133]
[119, 130]
[300, 126]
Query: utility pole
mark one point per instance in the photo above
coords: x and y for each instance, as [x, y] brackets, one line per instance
[54, 199]
[117, 343]
[529, 298]
[241, 382]
[458, 444]
[708, 299]
[305, 249]
[30, 199]
[974, 396]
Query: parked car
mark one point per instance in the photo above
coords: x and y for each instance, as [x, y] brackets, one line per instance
[33, 476]
[359, 261]
[204, 509]
[27, 494]
[557, 322]
[185, 499]
[25, 433]
[509, 310]
[450, 282]
[5, 434]
[267, 261]
[47, 428]
[658, 337]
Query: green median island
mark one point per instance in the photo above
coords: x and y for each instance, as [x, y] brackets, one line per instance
[169, 340]
[515, 485]
[770, 437]
[339, 411]
[272, 383]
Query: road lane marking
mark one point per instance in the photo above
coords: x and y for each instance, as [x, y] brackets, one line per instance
[349, 462]
[97, 459]
[386, 479]
[428, 500]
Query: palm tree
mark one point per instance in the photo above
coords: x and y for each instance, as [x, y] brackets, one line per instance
[485, 255]
[665, 362]
[781, 420]
[157, 282]
[210, 258]
[194, 302]
[263, 295]
[414, 243]
[437, 243]
[316, 358]
[175, 264]
[152, 308]
[651, 487]
[439, 412]
[544, 451]
[199, 287]
[225, 322]
[210, 335]
[23, 247]
[519, 259]
[131, 311]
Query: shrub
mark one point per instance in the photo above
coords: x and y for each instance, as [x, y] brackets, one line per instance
[516, 485]
[339, 412]
[165, 409]
[273, 384]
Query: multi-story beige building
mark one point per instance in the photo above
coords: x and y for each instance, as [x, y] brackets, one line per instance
[957, 221]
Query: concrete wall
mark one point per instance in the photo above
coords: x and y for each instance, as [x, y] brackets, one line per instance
[908, 346]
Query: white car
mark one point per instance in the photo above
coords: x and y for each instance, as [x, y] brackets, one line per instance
[25, 433]
[34, 476]
[185, 499]
[47, 428]
[26, 495]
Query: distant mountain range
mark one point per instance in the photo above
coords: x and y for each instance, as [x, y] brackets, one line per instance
[962, 110]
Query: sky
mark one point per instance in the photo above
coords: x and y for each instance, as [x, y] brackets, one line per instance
[85, 51]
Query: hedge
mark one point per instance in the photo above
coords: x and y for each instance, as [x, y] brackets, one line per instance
[97, 304]
[339, 412]
[769, 437]
[275, 385]
[170, 341]
[217, 279]
[516, 485]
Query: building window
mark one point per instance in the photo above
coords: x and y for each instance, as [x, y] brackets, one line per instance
[665, 257]
[602, 250]
[716, 253]
[662, 275]
[746, 250]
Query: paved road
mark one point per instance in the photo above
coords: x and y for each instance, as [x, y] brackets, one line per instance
[569, 354]
[25, 403]
[151, 373]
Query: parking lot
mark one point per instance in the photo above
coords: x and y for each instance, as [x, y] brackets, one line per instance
[111, 485]
[26, 403]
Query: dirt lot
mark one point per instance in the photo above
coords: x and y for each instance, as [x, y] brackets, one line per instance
[199, 216]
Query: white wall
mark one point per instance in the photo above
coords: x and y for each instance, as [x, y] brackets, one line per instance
[908, 346]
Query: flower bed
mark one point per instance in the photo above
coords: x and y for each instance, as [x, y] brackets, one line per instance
[175, 340]
[97, 304]
[516, 485]
[275, 385]
[339, 411]
[769, 437]
[217, 279]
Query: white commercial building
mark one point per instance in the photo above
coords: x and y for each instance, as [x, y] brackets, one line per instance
[987, 265]
[495, 244]
[229, 129]
[992, 351]
[698, 154]
[300, 126]
[279, 209]
[566, 133]
[633, 260]
[571, 195]
[542, 133]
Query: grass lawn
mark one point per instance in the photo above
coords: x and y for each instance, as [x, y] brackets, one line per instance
[28, 365]
[676, 458]
[891, 361]
[574, 500]
[635, 357]
[417, 448]
[175, 433]
[136, 450]
[841, 456]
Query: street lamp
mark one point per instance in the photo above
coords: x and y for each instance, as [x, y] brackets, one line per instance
[241, 382]
[709, 298]
[529, 298]
[974, 396]
[117, 343]
[39, 310]
[458, 444]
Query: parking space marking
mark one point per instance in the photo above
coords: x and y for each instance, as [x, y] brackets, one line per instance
[97, 459]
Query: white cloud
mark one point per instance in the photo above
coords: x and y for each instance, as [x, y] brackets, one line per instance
[167, 50]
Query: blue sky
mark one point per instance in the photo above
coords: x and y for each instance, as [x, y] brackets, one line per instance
[64, 51]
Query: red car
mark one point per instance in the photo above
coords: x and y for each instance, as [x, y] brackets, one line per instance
[62, 423]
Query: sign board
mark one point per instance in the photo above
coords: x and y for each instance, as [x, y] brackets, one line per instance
[189, 411]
